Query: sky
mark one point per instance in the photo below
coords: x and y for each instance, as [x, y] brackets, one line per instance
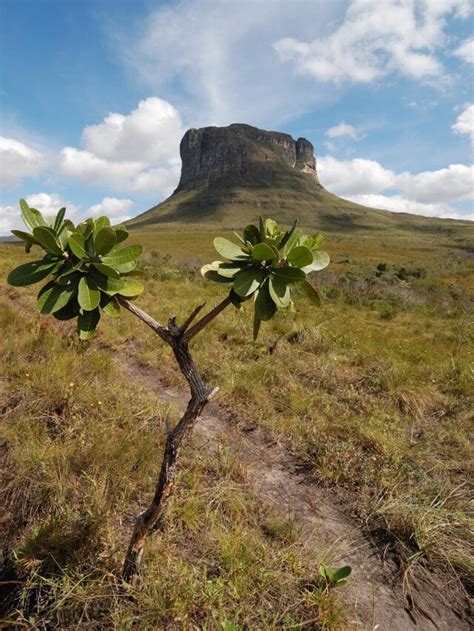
[95, 96]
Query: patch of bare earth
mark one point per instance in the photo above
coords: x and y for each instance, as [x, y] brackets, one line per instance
[374, 596]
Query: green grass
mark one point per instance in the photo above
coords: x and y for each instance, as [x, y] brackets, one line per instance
[371, 393]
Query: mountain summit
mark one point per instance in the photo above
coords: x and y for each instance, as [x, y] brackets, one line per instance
[230, 175]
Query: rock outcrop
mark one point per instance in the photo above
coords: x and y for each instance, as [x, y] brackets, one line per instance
[210, 154]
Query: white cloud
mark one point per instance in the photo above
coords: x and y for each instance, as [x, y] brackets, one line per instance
[10, 219]
[133, 153]
[466, 50]
[464, 124]
[343, 129]
[217, 59]
[429, 193]
[47, 203]
[117, 210]
[149, 134]
[18, 161]
[375, 40]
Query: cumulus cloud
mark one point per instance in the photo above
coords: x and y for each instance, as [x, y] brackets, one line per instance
[465, 50]
[429, 193]
[377, 39]
[47, 203]
[464, 124]
[343, 129]
[18, 161]
[217, 59]
[137, 152]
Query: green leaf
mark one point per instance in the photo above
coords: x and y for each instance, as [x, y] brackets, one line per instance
[105, 240]
[53, 297]
[263, 252]
[288, 234]
[229, 270]
[71, 310]
[87, 323]
[121, 234]
[101, 222]
[311, 293]
[247, 281]
[342, 573]
[293, 240]
[25, 236]
[131, 288]
[252, 234]
[264, 306]
[229, 250]
[106, 270]
[120, 257]
[300, 256]
[320, 261]
[46, 237]
[30, 273]
[110, 305]
[59, 220]
[71, 275]
[289, 274]
[89, 295]
[77, 243]
[235, 299]
[32, 218]
[211, 274]
[106, 283]
[279, 291]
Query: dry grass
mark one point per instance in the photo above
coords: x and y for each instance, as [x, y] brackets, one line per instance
[376, 408]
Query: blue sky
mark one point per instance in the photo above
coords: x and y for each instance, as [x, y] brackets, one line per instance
[96, 94]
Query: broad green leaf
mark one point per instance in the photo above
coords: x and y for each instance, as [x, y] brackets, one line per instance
[32, 218]
[77, 243]
[46, 237]
[110, 305]
[125, 268]
[320, 261]
[289, 274]
[59, 220]
[342, 573]
[300, 256]
[311, 293]
[101, 222]
[69, 276]
[87, 323]
[252, 234]
[288, 234]
[264, 306]
[89, 295]
[30, 273]
[106, 270]
[121, 234]
[261, 223]
[123, 256]
[247, 281]
[131, 288]
[137, 272]
[229, 270]
[279, 291]
[71, 310]
[263, 252]
[211, 273]
[292, 241]
[53, 297]
[229, 250]
[105, 240]
[106, 283]
[235, 299]
[25, 236]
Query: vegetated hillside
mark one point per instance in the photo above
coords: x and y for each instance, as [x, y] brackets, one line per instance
[231, 175]
[370, 395]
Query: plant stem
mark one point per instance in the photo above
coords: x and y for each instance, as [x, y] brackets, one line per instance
[201, 394]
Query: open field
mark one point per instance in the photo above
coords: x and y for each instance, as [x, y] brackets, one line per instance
[370, 396]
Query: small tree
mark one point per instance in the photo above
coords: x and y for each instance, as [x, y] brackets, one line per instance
[91, 272]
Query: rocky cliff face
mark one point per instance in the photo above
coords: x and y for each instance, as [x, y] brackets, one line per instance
[212, 153]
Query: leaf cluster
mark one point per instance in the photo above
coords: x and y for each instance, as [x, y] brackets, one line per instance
[335, 578]
[266, 265]
[87, 266]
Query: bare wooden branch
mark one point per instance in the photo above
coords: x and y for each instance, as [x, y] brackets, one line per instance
[192, 316]
[147, 319]
[152, 518]
[204, 321]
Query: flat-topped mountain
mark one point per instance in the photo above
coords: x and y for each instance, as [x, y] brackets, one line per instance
[230, 175]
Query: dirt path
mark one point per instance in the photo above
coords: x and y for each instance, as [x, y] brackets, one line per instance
[373, 596]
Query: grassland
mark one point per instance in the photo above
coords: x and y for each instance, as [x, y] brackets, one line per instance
[371, 394]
